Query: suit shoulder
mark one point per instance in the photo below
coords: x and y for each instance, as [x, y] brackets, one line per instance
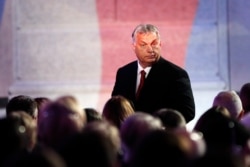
[128, 66]
[163, 63]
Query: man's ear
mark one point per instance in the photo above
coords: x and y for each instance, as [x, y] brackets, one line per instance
[160, 44]
[133, 46]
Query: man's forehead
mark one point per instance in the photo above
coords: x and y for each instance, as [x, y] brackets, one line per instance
[147, 37]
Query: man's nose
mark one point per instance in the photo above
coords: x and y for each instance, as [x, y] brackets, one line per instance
[150, 48]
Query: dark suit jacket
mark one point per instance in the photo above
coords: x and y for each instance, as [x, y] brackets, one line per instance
[166, 86]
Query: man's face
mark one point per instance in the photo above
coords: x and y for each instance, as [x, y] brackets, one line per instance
[147, 48]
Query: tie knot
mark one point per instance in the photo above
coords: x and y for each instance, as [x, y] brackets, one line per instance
[143, 73]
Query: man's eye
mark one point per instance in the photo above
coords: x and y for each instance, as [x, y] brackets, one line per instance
[155, 43]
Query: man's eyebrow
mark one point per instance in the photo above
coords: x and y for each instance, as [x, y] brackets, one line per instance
[155, 40]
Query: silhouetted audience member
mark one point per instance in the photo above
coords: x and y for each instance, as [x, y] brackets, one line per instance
[44, 157]
[193, 143]
[92, 114]
[230, 100]
[223, 135]
[245, 96]
[30, 127]
[96, 146]
[41, 102]
[14, 137]
[109, 131]
[171, 118]
[117, 109]
[224, 160]
[59, 120]
[22, 103]
[160, 149]
[246, 120]
[133, 129]
[72, 103]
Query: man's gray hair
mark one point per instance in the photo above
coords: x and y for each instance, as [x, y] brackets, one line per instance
[145, 28]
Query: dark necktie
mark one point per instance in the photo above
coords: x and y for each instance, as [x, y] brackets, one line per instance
[143, 74]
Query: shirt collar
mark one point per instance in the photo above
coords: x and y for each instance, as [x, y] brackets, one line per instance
[147, 69]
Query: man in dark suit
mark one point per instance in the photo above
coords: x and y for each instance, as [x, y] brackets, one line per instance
[166, 85]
